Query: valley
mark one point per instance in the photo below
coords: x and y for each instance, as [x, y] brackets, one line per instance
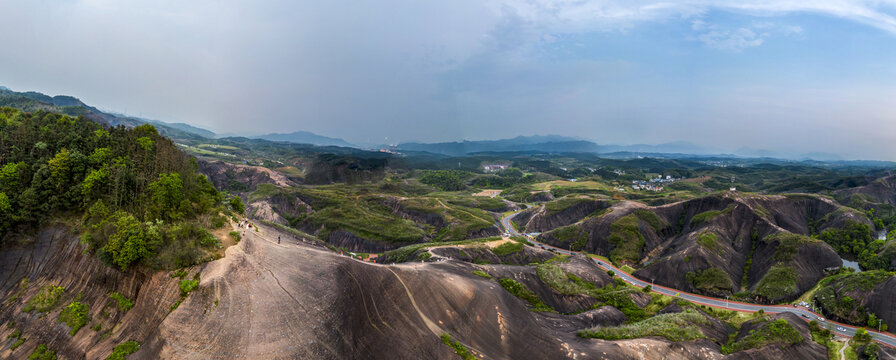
[281, 250]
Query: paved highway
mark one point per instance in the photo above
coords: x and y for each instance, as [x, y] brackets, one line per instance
[848, 331]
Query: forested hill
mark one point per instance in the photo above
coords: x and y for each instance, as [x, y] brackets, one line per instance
[141, 198]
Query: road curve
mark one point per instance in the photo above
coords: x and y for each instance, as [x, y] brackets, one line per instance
[847, 330]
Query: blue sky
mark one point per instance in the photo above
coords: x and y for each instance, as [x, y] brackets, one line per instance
[788, 76]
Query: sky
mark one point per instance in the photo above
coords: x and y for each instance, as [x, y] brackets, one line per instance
[787, 76]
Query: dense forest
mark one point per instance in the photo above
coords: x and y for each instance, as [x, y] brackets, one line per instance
[141, 198]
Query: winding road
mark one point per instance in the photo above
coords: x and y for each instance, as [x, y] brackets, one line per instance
[848, 331]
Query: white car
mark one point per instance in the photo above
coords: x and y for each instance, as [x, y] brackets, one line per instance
[821, 318]
[840, 329]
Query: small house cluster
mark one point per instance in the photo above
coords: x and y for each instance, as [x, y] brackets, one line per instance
[654, 184]
[494, 167]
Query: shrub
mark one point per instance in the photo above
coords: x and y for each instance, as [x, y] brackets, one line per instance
[651, 219]
[507, 248]
[461, 350]
[674, 327]
[236, 203]
[75, 316]
[481, 273]
[709, 215]
[423, 256]
[862, 336]
[235, 235]
[710, 279]
[17, 335]
[121, 351]
[124, 304]
[42, 353]
[45, 300]
[778, 282]
[187, 285]
[522, 292]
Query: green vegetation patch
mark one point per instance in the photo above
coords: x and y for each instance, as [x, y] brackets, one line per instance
[45, 300]
[75, 315]
[674, 327]
[832, 296]
[19, 340]
[557, 279]
[788, 244]
[709, 215]
[522, 292]
[458, 348]
[627, 239]
[778, 282]
[481, 273]
[121, 351]
[124, 304]
[507, 248]
[42, 353]
[617, 295]
[187, 286]
[774, 332]
[235, 235]
[573, 235]
[445, 180]
[709, 241]
[651, 219]
[402, 254]
[710, 280]
[560, 205]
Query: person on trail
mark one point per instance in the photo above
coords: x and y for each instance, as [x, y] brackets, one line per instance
[278, 239]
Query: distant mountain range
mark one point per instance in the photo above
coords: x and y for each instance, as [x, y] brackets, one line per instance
[304, 137]
[552, 144]
[33, 101]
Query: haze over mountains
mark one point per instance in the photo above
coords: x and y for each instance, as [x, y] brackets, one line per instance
[32, 101]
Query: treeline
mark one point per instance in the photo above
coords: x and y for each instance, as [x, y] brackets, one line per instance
[138, 191]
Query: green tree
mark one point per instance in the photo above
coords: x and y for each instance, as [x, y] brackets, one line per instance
[862, 336]
[145, 143]
[167, 193]
[93, 186]
[100, 155]
[128, 245]
[60, 167]
[9, 176]
[237, 205]
[5, 213]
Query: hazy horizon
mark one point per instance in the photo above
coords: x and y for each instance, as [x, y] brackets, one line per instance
[788, 77]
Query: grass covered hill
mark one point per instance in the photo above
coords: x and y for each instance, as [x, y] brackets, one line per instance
[138, 193]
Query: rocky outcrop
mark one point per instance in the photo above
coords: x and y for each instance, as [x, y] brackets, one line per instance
[483, 255]
[54, 256]
[240, 178]
[286, 301]
[882, 191]
[347, 240]
[807, 349]
[715, 233]
[539, 219]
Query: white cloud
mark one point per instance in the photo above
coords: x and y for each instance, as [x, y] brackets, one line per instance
[735, 40]
[578, 15]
